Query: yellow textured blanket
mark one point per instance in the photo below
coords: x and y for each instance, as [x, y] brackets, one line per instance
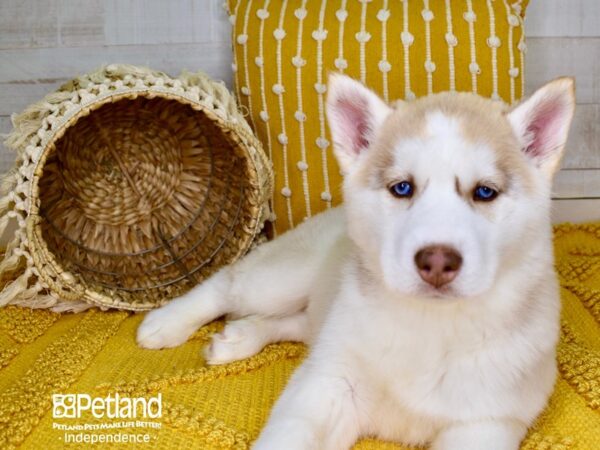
[94, 353]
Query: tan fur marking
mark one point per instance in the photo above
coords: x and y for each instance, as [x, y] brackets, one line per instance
[408, 120]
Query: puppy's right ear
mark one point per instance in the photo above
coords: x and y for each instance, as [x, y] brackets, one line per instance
[354, 113]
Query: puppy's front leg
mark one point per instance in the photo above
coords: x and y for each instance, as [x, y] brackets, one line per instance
[481, 435]
[316, 411]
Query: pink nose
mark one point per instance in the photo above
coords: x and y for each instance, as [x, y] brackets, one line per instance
[438, 264]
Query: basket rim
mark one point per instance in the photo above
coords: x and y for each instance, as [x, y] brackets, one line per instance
[54, 275]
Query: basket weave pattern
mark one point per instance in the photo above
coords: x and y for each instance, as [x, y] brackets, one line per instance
[131, 188]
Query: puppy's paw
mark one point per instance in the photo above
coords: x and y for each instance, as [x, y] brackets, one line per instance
[164, 327]
[239, 339]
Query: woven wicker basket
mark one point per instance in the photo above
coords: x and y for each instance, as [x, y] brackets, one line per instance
[131, 187]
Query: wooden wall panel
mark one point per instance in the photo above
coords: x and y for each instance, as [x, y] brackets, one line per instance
[44, 43]
[551, 18]
[28, 23]
[577, 183]
[77, 23]
[564, 39]
[60, 63]
[583, 146]
[548, 58]
[146, 22]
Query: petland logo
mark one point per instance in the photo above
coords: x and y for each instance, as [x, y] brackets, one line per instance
[72, 406]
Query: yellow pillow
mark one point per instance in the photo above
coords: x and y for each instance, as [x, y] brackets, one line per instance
[401, 49]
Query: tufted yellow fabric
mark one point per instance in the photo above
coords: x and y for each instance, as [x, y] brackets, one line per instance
[404, 49]
[224, 407]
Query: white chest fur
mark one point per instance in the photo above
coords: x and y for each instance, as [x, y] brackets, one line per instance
[415, 367]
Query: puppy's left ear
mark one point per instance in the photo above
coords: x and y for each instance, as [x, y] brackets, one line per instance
[354, 114]
[541, 123]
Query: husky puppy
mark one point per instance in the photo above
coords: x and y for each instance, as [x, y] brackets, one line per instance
[429, 299]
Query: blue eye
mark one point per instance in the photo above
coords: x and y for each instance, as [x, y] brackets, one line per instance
[484, 194]
[404, 189]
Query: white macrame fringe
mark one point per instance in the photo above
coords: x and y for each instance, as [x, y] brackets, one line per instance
[14, 289]
[31, 129]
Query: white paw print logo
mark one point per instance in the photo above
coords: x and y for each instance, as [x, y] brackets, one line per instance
[63, 406]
